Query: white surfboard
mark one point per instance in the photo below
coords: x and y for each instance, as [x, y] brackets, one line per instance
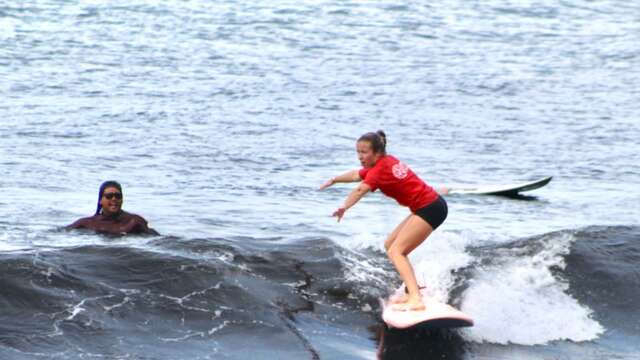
[435, 315]
[504, 190]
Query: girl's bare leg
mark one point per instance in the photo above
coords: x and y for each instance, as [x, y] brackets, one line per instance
[399, 298]
[411, 234]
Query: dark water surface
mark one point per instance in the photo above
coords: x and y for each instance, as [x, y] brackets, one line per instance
[221, 119]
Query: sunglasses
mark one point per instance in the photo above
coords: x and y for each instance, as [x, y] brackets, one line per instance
[112, 195]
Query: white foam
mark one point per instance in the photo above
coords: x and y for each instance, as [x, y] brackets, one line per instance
[364, 271]
[436, 260]
[4, 247]
[519, 301]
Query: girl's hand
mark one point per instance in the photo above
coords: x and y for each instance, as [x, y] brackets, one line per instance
[328, 183]
[339, 213]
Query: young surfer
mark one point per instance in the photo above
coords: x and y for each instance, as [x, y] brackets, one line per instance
[396, 180]
[110, 218]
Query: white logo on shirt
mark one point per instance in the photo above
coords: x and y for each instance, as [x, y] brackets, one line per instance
[400, 170]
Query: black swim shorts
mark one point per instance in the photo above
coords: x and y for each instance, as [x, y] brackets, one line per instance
[434, 213]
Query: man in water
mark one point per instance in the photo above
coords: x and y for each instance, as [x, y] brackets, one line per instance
[110, 218]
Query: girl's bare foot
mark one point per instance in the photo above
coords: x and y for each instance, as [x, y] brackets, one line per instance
[410, 305]
[399, 298]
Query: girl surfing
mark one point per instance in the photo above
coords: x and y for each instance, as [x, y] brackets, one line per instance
[396, 180]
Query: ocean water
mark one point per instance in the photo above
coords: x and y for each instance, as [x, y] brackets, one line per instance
[222, 119]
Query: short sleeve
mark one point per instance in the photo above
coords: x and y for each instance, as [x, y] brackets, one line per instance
[369, 177]
[363, 173]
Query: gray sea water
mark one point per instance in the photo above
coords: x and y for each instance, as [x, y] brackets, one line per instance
[222, 119]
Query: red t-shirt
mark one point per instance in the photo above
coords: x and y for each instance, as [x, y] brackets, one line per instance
[396, 180]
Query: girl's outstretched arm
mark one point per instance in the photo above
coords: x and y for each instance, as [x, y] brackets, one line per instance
[349, 176]
[352, 199]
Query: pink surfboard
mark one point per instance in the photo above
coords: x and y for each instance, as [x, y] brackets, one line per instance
[435, 315]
